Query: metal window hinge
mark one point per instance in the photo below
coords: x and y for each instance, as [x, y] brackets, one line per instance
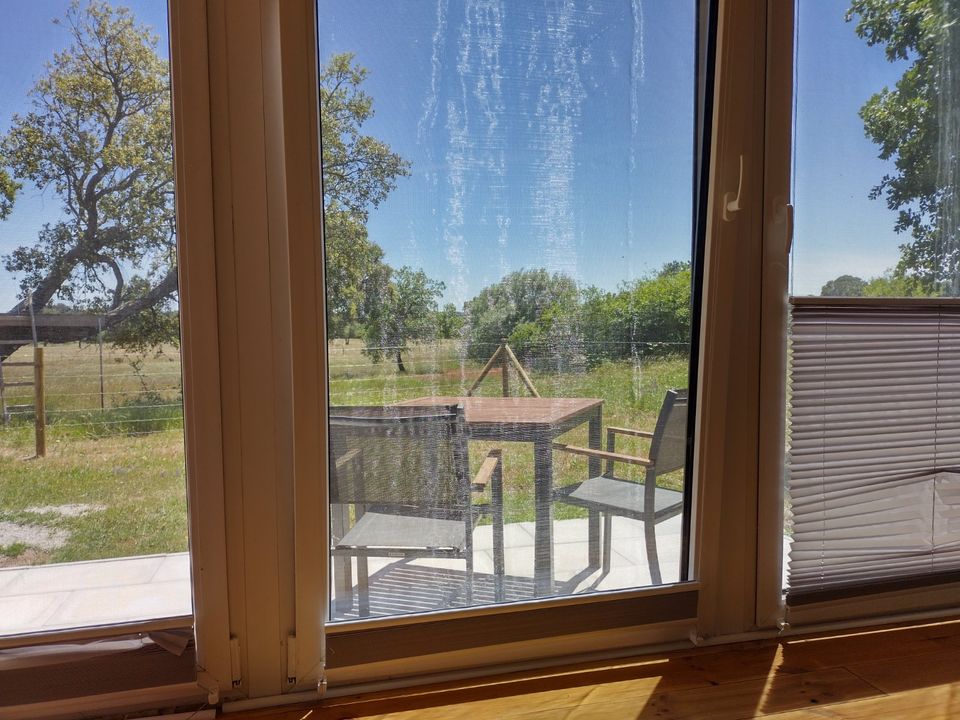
[292, 659]
[235, 676]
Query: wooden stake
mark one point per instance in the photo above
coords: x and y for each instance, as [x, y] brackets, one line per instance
[521, 372]
[103, 404]
[3, 396]
[40, 419]
[483, 373]
[504, 354]
[504, 367]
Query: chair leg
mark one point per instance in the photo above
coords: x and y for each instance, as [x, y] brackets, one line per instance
[499, 563]
[363, 586]
[469, 592]
[607, 541]
[342, 565]
[650, 538]
[343, 583]
[593, 535]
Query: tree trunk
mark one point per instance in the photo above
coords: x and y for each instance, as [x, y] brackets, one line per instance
[12, 338]
[400, 367]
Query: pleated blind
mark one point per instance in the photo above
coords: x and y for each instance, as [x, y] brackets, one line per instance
[874, 463]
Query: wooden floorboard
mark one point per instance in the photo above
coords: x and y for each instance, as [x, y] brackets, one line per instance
[893, 672]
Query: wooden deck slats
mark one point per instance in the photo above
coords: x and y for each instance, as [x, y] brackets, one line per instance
[907, 673]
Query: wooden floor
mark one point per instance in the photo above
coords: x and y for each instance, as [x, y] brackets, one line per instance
[894, 672]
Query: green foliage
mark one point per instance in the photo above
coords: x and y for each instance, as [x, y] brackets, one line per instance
[892, 284]
[403, 309]
[359, 171]
[8, 191]
[98, 133]
[13, 549]
[649, 317]
[151, 328]
[145, 412]
[554, 343]
[905, 123]
[844, 286]
[354, 268]
[449, 322]
[521, 297]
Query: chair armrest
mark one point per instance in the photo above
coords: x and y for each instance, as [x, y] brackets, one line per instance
[491, 463]
[604, 455]
[347, 458]
[631, 432]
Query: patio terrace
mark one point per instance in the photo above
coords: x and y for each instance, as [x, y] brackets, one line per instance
[56, 597]
[70, 595]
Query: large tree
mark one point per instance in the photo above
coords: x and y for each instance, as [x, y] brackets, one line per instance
[359, 171]
[844, 286]
[354, 267]
[402, 309]
[916, 124]
[520, 298]
[97, 133]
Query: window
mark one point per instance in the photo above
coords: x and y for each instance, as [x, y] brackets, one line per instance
[872, 437]
[508, 231]
[93, 519]
[255, 355]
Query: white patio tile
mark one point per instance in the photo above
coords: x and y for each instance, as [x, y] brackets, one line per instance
[173, 567]
[570, 531]
[85, 575]
[26, 613]
[122, 604]
[621, 577]
[635, 549]
[8, 576]
[126, 589]
[483, 561]
[514, 535]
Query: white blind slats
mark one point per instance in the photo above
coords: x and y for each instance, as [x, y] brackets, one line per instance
[874, 465]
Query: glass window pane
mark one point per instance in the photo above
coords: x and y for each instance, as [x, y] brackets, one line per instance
[508, 208]
[875, 282]
[93, 521]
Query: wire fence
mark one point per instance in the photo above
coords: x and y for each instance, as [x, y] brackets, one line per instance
[636, 372]
[125, 393]
[96, 390]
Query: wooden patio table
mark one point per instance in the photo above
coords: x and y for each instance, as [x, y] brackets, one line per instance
[538, 421]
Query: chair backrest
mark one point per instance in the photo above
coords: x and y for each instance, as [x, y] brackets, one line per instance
[413, 456]
[668, 449]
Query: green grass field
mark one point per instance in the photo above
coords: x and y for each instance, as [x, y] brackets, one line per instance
[112, 483]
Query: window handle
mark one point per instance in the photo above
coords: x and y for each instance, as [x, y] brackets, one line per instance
[731, 201]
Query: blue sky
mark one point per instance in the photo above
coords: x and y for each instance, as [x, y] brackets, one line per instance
[838, 229]
[577, 158]
[28, 40]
